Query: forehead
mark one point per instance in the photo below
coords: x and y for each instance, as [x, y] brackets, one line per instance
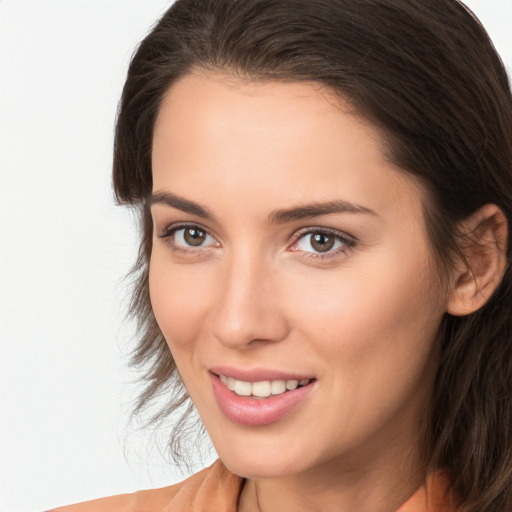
[285, 141]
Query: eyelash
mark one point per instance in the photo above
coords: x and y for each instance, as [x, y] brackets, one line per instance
[169, 232]
[347, 242]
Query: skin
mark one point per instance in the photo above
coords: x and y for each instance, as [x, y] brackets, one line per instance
[362, 318]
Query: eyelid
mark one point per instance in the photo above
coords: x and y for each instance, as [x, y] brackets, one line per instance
[171, 229]
[349, 241]
[320, 229]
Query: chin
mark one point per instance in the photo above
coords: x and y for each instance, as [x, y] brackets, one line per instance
[257, 463]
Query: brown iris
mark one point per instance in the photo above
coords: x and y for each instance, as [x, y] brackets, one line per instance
[194, 236]
[322, 242]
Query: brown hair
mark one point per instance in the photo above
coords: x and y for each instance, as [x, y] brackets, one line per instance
[426, 74]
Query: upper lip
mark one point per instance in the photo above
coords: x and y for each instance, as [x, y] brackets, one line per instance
[257, 374]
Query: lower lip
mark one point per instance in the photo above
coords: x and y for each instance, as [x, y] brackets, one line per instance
[256, 412]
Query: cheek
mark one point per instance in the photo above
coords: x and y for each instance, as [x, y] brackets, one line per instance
[179, 299]
[376, 331]
[381, 318]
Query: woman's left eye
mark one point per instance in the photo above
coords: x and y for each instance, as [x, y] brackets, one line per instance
[322, 242]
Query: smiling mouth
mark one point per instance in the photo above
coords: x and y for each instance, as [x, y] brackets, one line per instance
[262, 389]
[256, 402]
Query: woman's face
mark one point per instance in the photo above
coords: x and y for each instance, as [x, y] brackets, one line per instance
[287, 249]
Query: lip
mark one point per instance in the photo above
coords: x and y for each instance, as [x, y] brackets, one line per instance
[257, 412]
[257, 374]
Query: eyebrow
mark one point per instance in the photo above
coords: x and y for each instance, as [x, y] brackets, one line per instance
[280, 216]
[168, 199]
[309, 211]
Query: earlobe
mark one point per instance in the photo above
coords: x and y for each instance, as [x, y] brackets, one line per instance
[479, 272]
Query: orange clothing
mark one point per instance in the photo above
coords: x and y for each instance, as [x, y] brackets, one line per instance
[216, 489]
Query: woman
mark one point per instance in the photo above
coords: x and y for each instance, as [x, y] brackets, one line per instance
[325, 189]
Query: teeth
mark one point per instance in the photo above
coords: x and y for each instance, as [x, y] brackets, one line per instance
[243, 388]
[261, 389]
[277, 387]
[231, 383]
[292, 384]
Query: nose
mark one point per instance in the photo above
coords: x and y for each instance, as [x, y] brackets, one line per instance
[248, 309]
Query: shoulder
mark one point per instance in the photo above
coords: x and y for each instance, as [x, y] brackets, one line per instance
[141, 500]
[215, 485]
[436, 495]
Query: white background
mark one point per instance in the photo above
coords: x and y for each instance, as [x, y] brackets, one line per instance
[65, 248]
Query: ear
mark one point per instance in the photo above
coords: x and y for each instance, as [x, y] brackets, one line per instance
[477, 275]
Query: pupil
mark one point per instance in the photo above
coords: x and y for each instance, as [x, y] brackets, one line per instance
[194, 237]
[322, 242]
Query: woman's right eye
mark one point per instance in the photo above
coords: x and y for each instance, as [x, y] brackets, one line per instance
[188, 237]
